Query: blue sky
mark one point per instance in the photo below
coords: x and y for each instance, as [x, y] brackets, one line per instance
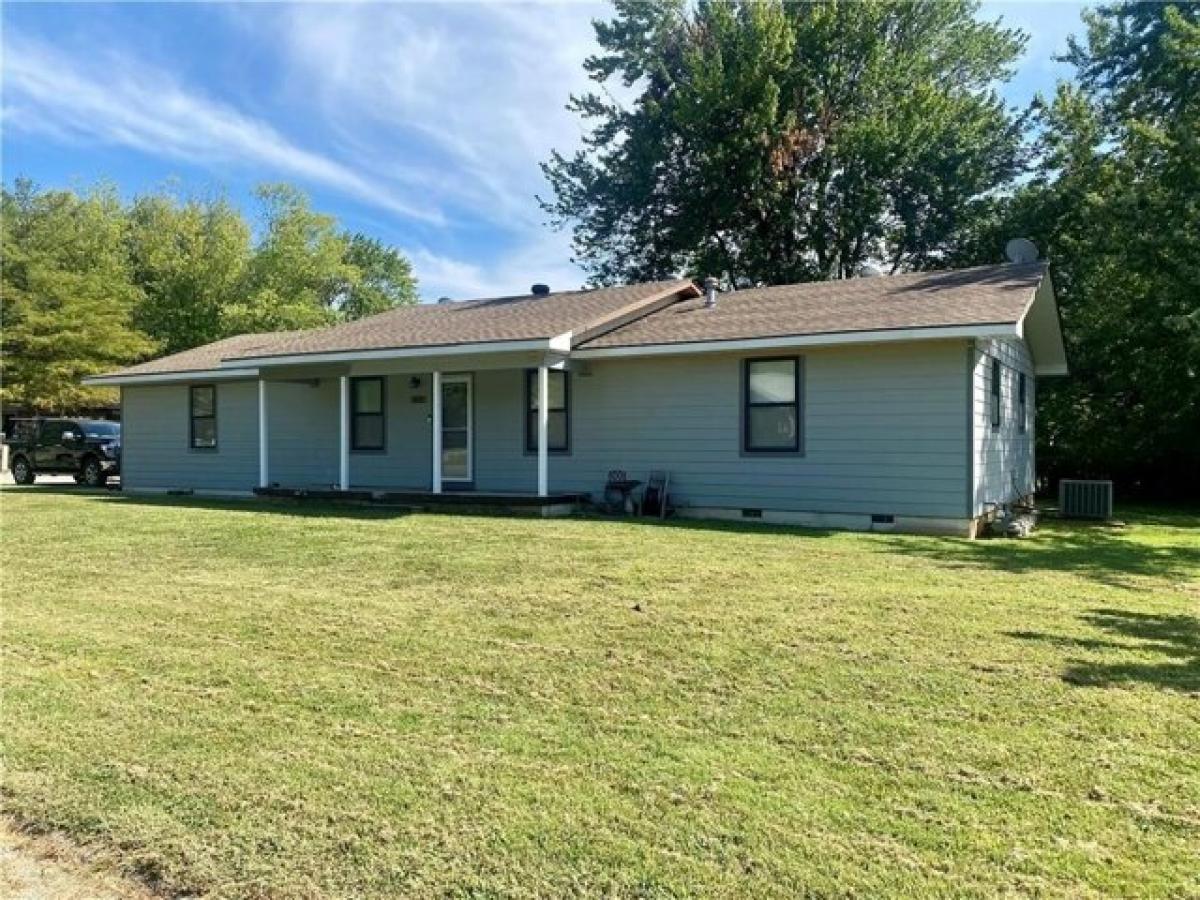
[420, 124]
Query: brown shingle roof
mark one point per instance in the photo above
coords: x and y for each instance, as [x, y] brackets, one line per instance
[984, 295]
[208, 356]
[524, 317]
[653, 315]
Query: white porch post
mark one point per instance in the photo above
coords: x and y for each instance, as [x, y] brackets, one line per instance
[543, 429]
[436, 397]
[263, 474]
[344, 443]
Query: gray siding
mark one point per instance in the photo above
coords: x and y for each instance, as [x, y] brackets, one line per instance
[155, 452]
[1003, 457]
[885, 431]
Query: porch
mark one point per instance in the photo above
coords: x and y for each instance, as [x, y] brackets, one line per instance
[478, 429]
[550, 504]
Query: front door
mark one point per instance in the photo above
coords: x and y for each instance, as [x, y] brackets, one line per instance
[457, 437]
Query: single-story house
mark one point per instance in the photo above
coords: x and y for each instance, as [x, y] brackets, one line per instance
[902, 402]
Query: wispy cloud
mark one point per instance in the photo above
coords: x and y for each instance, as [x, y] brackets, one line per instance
[120, 101]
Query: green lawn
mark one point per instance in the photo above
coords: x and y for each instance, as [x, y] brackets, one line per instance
[250, 700]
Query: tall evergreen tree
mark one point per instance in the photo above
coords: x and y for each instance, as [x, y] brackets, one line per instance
[785, 142]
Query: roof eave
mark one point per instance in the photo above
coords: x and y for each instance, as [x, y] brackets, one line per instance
[823, 339]
[557, 343]
[116, 379]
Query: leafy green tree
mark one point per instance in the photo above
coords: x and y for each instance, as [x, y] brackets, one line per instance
[68, 297]
[298, 269]
[1115, 203]
[190, 259]
[783, 143]
[381, 277]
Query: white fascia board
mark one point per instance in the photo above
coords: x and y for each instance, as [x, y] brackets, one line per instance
[348, 356]
[1051, 370]
[830, 339]
[223, 374]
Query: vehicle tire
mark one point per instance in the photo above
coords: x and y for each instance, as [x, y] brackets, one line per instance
[22, 471]
[93, 474]
[78, 478]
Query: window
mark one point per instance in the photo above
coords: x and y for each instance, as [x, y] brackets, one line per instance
[771, 406]
[1022, 407]
[558, 438]
[366, 414]
[202, 400]
[995, 387]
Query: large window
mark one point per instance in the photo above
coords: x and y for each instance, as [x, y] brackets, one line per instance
[1022, 403]
[366, 414]
[202, 409]
[995, 391]
[771, 406]
[558, 432]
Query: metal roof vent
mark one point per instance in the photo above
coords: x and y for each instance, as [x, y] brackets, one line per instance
[540, 290]
[442, 300]
[710, 292]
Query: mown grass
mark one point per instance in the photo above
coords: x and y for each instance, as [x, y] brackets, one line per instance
[246, 700]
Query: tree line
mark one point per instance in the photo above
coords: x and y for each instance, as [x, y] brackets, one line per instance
[777, 142]
[92, 283]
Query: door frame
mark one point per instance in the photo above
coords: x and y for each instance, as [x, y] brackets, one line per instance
[460, 378]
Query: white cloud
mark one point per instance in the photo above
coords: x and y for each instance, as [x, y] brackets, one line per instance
[119, 101]
[545, 260]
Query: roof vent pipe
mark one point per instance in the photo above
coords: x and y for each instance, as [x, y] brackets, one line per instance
[710, 292]
[540, 290]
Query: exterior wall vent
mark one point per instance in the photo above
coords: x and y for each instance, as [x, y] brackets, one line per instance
[883, 519]
[751, 513]
[1079, 499]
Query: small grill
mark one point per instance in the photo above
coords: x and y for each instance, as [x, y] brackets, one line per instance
[1080, 499]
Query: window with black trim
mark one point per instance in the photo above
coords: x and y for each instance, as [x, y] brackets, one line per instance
[771, 405]
[367, 425]
[202, 411]
[558, 431]
[995, 388]
[1022, 405]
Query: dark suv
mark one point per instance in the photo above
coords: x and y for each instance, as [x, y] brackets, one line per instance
[86, 448]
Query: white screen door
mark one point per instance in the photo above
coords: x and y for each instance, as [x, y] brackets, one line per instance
[456, 428]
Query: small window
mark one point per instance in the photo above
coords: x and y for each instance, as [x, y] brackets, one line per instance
[995, 387]
[771, 406]
[1022, 407]
[203, 411]
[366, 414]
[558, 436]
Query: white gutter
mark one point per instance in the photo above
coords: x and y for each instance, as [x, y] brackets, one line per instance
[223, 374]
[828, 339]
[434, 350]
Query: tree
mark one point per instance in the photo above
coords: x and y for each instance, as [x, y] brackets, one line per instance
[784, 143]
[68, 296]
[380, 278]
[298, 269]
[1115, 203]
[190, 259]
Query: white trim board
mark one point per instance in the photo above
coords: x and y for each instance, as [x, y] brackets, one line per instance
[558, 343]
[223, 374]
[828, 339]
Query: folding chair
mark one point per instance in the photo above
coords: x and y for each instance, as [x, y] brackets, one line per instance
[656, 497]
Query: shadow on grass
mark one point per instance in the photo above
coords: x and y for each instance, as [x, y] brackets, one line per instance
[1174, 638]
[1105, 555]
[297, 509]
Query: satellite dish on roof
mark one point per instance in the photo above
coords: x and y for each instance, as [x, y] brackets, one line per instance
[1021, 250]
